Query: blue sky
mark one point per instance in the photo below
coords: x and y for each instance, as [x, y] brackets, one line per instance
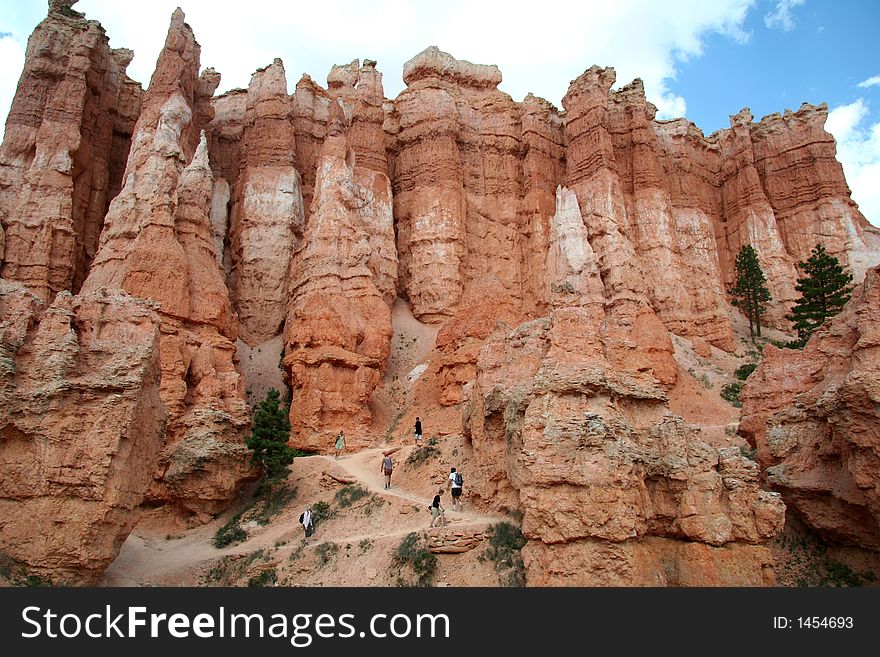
[704, 59]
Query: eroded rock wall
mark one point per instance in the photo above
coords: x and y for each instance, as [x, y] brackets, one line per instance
[343, 279]
[814, 416]
[68, 131]
[81, 426]
[157, 244]
[267, 208]
[613, 489]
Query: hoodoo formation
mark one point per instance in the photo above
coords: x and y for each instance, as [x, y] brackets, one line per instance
[530, 280]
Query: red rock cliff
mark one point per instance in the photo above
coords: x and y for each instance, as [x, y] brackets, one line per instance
[67, 137]
[156, 244]
[814, 416]
[81, 427]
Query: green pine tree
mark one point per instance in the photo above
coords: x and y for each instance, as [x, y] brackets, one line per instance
[268, 440]
[824, 291]
[749, 291]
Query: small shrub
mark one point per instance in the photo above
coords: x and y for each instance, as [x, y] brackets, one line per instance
[320, 512]
[273, 502]
[412, 553]
[348, 495]
[230, 533]
[744, 371]
[265, 578]
[505, 542]
[393, 427]
[365, 545]
[839, 574]
[326, 552]
[422, 454]
[36, 580]
[374, 504]
[730, 392]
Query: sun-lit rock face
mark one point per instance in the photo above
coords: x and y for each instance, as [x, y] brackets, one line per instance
[81, 428]
[267, 209]
[63, 154]
[157, 244]
[553, 254]
[343, 279]
[814, 416]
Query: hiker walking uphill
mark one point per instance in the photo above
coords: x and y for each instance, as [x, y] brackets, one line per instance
[437, 510]
[456, 483]
[418, 432]
[305, 519]
[386, 469]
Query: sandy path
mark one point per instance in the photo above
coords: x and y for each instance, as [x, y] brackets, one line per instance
[145, 561]
[364, 466]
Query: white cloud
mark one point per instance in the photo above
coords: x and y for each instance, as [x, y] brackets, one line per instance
[539, 49]
[858, 149]
[782, 17]
[870, 82]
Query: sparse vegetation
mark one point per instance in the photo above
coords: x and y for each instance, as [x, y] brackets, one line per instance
[391, 429]
[730, 392]
[505, 542]
[16, 573]
[272, 504]
[265, 578]
[348, 495]
[809, 564]
[412, 555]
[230, 533]
[373, 504]
[326, 552]
[422, 454]
[230, 570]
[744, 371]
[320, 512]
[365, 545]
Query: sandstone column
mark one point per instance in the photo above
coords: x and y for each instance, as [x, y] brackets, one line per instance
[157, 245]
[267, 211]
[65, 134]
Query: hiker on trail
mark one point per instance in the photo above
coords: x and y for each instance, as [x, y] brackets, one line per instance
[418, 431]
[387, 467]
[305, 519]
[340, 444]
[437, 510]
[456, 482]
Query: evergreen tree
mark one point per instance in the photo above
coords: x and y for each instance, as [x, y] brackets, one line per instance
[824, 291]
[749, 291]
[269, 438]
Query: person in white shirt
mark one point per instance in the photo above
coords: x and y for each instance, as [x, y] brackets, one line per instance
[306, 521]
[455, 483]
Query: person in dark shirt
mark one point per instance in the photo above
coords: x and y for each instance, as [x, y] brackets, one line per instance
[437, 510]
[418, 431]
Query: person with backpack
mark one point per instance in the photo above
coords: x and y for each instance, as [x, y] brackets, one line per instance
[386, 469]
[418, 431]
[437, 510]
[456, 483]
[305, 519]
